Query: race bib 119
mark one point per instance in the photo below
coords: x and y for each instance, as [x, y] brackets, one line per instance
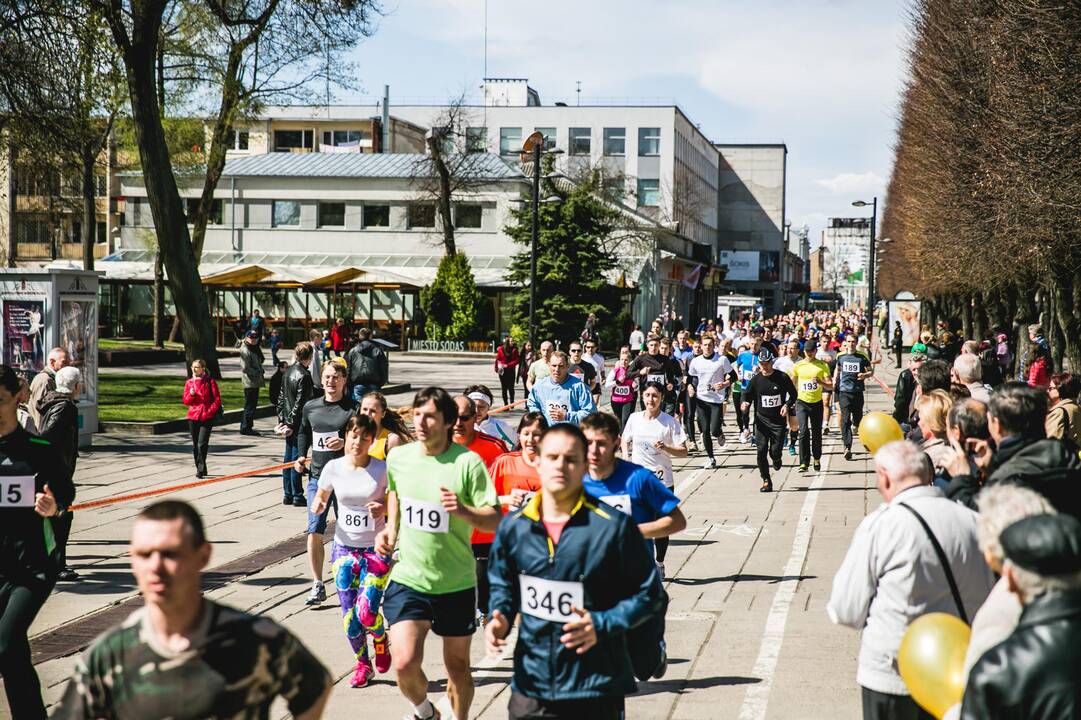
[551, 600]
[425, 516]
[619, 502]
[17, 491]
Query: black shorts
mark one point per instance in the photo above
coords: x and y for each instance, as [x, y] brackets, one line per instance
[451, 615]
[522, 707]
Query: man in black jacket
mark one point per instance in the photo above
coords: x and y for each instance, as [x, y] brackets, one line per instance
[60, 426]
[369, 367]
[906, 388]
[1021, 454]
[1034, 673]
[297, 389]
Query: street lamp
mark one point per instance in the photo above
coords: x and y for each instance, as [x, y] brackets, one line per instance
[871, 260]
[537, 149]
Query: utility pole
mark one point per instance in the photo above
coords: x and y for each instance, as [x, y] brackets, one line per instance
[533, 245]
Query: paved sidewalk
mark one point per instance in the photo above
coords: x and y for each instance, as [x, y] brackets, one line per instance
[749, 578]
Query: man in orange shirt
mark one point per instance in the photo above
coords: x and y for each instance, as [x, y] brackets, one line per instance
[489, 448]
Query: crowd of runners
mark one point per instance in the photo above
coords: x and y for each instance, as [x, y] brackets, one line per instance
[551, 534]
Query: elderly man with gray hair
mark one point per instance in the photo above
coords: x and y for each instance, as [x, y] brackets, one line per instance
[968, 371]
[916, 553]
[60, 426]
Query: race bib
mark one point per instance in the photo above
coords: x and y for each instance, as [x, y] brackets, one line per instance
[551, 600]
[17, 491]
[558, 406]
[525, 495]
[850, 367]
[655, 378]
[355, 521]
[619, 502]
[621, 391]
[320, 440]
[808, 385]
[425, 516]
[747, 374]
[771, 401]
[578, 374]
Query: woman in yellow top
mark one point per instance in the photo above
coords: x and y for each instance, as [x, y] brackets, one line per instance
[391, 431]
[810, 375]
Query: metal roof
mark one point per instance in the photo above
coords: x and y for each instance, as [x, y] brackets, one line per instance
[485, 166]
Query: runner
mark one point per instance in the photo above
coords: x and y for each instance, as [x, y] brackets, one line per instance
[852, 369]
[711, 375]
[581, 579]
[746, 366]
[489, 448]
[674, 370]
[774, 397]
[593, 355]
[786, 364]
[437, 491]
[321, 424]
[684, 352]
[652, 366]
[560, 397]
[34, 487]
[827, 353]
[506, 367]
[539, 368]
[500, 430]
[182, 656]
[583, 369]
[651, 439]
[810, 376]
[390, 428]
[359, 483]
[622, 383]
[516, 472]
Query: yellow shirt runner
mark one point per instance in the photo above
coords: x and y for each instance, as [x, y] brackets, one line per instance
[808, 376]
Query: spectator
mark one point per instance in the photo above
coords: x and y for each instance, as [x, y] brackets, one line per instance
[1036, 339]
[506, 367]
[60, 426]
[251, 377]
[1021, 453]
[274, 342]
[589, 332]
[897, 343]
[932, 410]
[339, 337]
[297, 389]
[905, 392]
[276, 381]
[1064, 418]
[203, 399]
[637, 340]
[525, 362]
[968, 371]
[1039, 369]
[45, 381]
[1034, 672]
[369, 367]
[256, 324]
[315, 337]
[893, 573]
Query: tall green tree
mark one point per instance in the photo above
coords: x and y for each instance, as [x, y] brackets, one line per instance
[574, 264]
[452, 301]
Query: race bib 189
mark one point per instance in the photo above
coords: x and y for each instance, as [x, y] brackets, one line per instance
[425, 516]
[17, 491]
[320, 440]
[355, 521]
[619, 502]
[808, 385]
[771, 401]
[551, 600]
[850, 367]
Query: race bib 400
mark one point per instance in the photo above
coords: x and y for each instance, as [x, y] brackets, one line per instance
[425, 516]
[551, 600]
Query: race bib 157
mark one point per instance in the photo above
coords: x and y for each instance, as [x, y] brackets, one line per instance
[17, 491]
[771, 401]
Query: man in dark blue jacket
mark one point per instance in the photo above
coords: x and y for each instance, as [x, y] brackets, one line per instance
[581, 577]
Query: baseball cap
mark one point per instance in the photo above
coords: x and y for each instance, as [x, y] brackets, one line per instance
[251, 333]
[765, 355]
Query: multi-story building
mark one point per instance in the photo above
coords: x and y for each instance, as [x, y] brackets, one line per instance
[847, 242]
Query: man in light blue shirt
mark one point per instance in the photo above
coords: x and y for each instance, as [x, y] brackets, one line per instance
[560, 397]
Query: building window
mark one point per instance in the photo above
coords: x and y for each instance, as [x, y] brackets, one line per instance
[649, 141]
[612, 188]
[476, 139]
[510, 140]
[291, 140]
[240, 140]
[215, 210]
[376, 216]
[467, 216]
[101, 230]
[343, 138]
[579, 140]
[649, 193]
[286, 213]
[549, 134]
[100, 183]
[615, 141]
[32, 231]
[331, 214]
[421, 215]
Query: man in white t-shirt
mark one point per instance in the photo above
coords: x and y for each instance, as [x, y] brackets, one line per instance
[709, 381]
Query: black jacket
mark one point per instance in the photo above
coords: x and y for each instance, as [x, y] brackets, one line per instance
[368, 364]
[297, 389]
[1035, 673]
[902, 396]
[60, 425]
[1046, 466]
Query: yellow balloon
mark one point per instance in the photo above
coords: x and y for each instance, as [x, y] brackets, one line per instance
[932, 660]
[877, 429]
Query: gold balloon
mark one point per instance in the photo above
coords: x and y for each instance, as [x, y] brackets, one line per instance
[932, 660]
[877, 429]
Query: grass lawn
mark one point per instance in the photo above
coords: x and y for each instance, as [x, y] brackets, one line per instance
[149, 398]
[131, 344]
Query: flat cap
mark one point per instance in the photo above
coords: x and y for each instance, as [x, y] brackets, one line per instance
[1044, 544]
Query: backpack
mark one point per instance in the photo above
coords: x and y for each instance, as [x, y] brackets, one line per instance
[644, 641]
[365, 369]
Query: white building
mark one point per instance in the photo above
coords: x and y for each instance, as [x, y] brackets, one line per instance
[848, 243]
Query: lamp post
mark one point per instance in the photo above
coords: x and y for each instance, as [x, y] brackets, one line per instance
[534, 146]
[871, 259]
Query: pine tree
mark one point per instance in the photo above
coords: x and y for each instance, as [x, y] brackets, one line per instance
[573, 267]
[452, 301]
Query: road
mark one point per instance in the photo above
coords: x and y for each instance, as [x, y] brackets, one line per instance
[749, 578]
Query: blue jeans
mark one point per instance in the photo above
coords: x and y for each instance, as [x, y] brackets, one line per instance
[290, 478]
[359, 391]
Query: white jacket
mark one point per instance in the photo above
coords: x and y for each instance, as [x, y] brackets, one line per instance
[891, 576]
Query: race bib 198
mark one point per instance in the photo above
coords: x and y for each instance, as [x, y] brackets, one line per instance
[808, 385]
[355, 521]
[17, 491]
[551, 600]
[619, 502]
[320, 440]
[425, 516]
[850, 367]
[771, 401]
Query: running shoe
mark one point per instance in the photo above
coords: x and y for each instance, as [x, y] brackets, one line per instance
[287, 500]
[317, 595]
[792, 450]
[767, 486]
[818, 465]
[662, 667]
[826, 430]
[362, 675]
[777, 465]
[723, 447]
[709, 464]
[848, 453]
[382, 654]
[802, 468]
[436, 715]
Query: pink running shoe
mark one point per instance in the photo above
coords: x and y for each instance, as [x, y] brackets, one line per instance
[382, 654]
[362, 675]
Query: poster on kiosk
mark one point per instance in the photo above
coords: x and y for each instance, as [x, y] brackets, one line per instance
[49, 307]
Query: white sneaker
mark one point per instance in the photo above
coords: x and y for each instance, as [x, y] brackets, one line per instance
[709, 464]
[723, 447]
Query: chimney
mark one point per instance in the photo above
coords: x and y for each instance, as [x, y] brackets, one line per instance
[386, 118]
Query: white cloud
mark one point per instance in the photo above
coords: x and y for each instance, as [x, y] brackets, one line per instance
[852, 183]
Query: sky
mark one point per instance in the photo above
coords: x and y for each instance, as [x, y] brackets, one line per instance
[823, 76]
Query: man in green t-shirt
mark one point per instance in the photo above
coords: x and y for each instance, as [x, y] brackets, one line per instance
[437, 492]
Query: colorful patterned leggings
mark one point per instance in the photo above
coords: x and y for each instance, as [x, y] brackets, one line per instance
[360, 576]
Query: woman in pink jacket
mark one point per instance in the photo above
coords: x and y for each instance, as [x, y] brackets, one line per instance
[204, 401]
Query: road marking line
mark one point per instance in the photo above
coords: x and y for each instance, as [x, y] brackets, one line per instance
[687, 483]
[757, 697]
[482, 668]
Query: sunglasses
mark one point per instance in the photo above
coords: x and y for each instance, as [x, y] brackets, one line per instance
[465, 418]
